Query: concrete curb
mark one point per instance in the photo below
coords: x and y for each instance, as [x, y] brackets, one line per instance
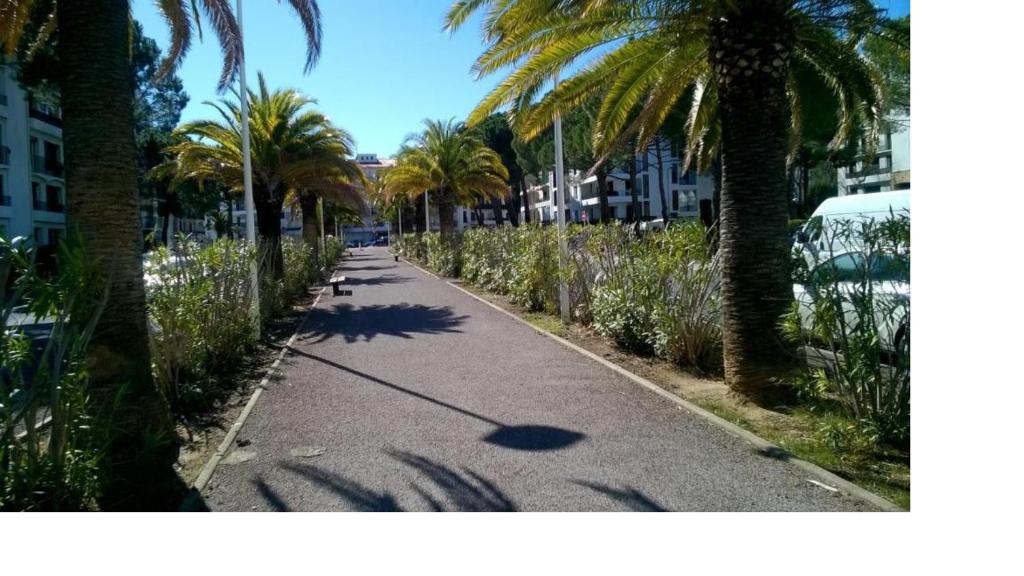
[211, 465]
[830, 480]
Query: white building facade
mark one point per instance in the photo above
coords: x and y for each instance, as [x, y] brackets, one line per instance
[32, 195]
[372, 227]
[688, 195]
[888, 169]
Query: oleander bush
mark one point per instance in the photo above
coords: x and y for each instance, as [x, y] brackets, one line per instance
[443, 253]
[852, 317]
[653, 294]
[52, 447]
[300, 268]
[200, 309]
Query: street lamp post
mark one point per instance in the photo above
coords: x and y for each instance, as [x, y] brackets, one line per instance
[250, 205]
[563, 251]
[426, 207]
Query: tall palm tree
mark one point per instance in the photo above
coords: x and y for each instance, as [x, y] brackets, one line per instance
[450, 162]
[738, 61]
[293, 148]
[103, 197]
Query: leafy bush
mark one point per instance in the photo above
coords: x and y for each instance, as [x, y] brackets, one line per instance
[854, 318]
[487, 258]
[443, 253]
[57, 467]
[334, 249]
[200, 309]
[628, 288]
[300, 269]
[688, 314]
[533, 273]
[411, 246]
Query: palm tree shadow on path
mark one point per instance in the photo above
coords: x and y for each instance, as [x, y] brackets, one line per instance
[529, 437]
[364, 323]
[446, 489]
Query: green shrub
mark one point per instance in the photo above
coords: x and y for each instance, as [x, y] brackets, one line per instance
[300, 269]
[487, 258]
[443, 253]
[533, 273]
[855, 319]
[688, 314]
[334, 249]
[411, 246]
[58, 467]
[200, 309]
[628, 289]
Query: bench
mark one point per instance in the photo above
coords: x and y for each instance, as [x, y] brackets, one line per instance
[337, 279]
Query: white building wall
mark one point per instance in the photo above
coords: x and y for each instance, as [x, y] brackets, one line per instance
[21, 214]
[684, 192]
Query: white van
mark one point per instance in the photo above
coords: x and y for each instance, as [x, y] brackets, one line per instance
[812, 238]
[816, 243]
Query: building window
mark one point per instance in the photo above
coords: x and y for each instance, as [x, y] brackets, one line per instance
[689, 201]
[647, 186]
[675, 201]
[5, 199]
[675, 173]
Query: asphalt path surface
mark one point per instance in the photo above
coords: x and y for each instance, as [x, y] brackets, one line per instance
[410, 395]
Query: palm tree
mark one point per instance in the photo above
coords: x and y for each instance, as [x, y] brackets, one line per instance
[738, 62]
[103, 197]
[450, 162]
[293, 148]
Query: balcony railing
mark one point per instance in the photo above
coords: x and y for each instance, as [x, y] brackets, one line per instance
[48, 117]
[41, 165]
[5, 155]
[44, 206]
[868, 171]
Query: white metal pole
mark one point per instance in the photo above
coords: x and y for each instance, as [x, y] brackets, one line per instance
[323, 236]
[563, 251]
[426, 207]
[250, 205]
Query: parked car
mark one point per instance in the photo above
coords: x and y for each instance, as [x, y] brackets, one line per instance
[817, 239]
[854, 277]
[839, 263]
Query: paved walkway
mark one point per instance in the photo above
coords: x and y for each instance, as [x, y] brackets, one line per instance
[410, 395]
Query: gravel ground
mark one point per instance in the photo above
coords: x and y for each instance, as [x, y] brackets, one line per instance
[410, 395]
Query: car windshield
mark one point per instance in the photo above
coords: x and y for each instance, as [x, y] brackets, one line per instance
[852, 267]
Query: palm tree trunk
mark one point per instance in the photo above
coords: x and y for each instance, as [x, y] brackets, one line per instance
[446, 211]
[661, 182]
[269, 208]
[496, 206]
[633, 191]
[526, 200]
[421, 217]
[103, 205]
[230, 220]
[750, 54]
[602, 194]
[310, 225]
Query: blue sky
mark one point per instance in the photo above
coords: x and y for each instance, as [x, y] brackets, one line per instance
[385, 65]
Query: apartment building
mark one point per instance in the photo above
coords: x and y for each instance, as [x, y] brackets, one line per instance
[888, 169]
[688, 194]
[32, 196]
[371, 227]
